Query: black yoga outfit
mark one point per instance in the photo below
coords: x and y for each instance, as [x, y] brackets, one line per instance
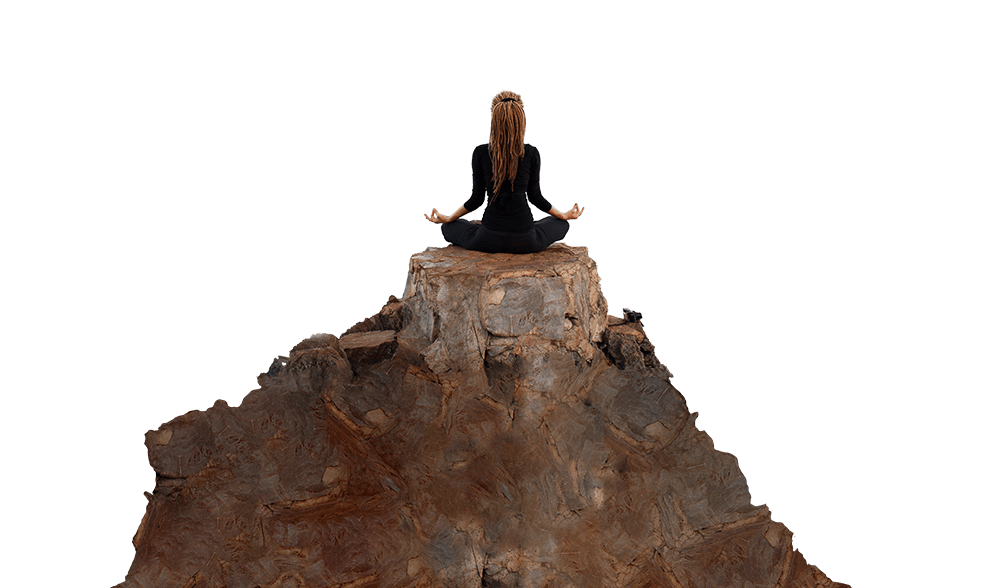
[507, 225]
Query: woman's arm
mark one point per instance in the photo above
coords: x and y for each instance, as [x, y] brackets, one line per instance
[437, 217]
[570, 214]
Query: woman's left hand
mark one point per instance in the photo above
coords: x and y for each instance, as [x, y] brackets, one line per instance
[437, 217]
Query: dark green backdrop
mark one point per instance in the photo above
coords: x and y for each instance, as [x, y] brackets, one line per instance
[799, 199]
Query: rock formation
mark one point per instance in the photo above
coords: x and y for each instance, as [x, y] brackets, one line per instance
[495, 427]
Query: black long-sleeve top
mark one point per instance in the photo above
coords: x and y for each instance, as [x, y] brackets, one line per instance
[508, 212]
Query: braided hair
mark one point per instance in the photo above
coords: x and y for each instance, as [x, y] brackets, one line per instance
[506, 138]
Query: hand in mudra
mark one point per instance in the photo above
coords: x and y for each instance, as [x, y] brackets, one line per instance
[437, 217]
[574, 212]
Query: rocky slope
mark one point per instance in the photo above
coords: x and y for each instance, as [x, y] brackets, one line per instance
[495, 427]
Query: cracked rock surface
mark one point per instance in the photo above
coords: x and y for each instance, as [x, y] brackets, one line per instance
[494, 427]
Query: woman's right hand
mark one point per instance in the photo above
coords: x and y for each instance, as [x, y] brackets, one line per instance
[574, 212]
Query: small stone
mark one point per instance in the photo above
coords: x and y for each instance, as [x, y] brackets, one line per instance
[333, 474]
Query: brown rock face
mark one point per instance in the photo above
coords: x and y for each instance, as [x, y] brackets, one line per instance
[489, 429]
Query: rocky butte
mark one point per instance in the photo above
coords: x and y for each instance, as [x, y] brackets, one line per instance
[494, 427]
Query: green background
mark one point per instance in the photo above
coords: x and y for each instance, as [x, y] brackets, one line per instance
[799, 198]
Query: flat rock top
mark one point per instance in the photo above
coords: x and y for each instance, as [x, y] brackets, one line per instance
[455, 260]
[468, 304]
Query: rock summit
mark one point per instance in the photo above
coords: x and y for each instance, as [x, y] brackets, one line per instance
[493, 427]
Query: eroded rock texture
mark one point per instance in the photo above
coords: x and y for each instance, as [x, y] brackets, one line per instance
[495, 427]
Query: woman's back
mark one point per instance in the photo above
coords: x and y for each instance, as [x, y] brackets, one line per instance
[508, 210]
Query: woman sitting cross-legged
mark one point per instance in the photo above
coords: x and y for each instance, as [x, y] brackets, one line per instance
[506, 170]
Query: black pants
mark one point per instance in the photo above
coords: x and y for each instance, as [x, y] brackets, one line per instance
[476, 237]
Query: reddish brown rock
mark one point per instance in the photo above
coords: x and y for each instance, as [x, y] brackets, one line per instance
[368, 347]
[489, 429]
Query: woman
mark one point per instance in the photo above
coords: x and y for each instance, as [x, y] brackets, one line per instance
[506, 170]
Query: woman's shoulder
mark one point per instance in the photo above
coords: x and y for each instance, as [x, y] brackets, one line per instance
[486, 147]
[484, 150]
[531, 152]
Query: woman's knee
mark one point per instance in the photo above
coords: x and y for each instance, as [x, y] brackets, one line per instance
[563, 227]
[454, 231]
[556, 228]
[462, 233]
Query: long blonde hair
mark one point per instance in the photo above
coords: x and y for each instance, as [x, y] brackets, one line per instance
[506, 138]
